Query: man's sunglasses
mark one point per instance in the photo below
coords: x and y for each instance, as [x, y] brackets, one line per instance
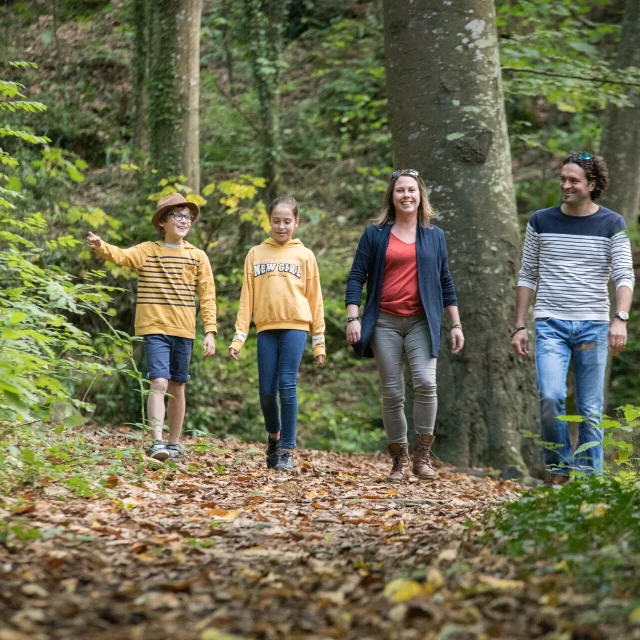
[404, 172]
[581, 156]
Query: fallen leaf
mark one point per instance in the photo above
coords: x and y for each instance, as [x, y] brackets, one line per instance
[224, 514]
[501, 585]
[400, 590]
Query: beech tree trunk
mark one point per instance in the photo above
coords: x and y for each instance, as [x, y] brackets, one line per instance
[188, 88]
[447, 120]
[620, 146]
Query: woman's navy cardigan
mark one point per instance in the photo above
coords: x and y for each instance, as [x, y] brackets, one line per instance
[435, 282]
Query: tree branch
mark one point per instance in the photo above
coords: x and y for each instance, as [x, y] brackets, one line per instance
[562, 75]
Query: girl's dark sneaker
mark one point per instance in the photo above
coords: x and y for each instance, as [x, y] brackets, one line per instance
[158, 451]
[273, 453]
[175, 451]
[286, 461]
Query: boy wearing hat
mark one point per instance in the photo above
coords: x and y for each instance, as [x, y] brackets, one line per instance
[171, 272]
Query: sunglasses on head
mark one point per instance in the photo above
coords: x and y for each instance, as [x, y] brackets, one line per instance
[404, 172]
[581, 156]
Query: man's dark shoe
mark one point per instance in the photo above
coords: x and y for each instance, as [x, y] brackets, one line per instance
[286, 461]
[555, 479]
[273, 453]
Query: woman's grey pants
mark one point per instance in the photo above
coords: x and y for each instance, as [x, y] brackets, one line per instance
[393, 336]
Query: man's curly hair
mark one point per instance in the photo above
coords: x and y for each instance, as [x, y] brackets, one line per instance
[594, 168]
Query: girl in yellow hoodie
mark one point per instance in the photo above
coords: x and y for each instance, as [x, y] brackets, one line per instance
[281, 291]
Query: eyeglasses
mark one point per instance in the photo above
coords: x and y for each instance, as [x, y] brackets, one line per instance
[404, 172]
[182, 217]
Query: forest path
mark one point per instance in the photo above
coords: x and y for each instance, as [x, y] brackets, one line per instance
[219, 545]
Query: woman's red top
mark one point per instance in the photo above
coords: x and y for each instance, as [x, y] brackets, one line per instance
[400, 290]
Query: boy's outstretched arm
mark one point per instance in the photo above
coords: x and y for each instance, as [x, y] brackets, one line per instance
[133, 257]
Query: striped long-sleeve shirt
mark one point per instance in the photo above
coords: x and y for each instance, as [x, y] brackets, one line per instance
[569, 260]
[168, 280]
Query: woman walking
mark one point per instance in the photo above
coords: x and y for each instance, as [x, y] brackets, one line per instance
[281, 291]
[402, 258]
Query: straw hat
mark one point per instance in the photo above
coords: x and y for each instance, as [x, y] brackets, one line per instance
[170, 201]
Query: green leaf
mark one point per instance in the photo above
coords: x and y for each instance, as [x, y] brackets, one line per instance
[585, 447]
[73, 421]
[570, 418]
[74, 174]
[17, 317]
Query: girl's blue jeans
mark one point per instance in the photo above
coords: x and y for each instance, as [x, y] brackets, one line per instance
[585, 343]
[279, 357]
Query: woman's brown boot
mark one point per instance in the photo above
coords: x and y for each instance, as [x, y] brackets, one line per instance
[421, 457]
[400, 455]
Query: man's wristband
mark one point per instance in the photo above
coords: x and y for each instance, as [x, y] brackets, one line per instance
[456, 326]
[352, 319]
[522, 328]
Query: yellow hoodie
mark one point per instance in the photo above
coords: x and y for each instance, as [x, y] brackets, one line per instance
[281, 290]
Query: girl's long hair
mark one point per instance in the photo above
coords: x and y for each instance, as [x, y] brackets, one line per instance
[388, 213]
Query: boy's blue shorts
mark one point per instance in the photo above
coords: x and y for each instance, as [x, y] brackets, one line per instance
[168, 357]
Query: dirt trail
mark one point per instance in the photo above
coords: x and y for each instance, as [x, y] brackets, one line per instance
[222, 546]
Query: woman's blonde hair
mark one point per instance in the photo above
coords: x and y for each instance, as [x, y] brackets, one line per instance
[388, 213]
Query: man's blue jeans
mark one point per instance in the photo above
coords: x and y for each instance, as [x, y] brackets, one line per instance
[558, 342]
[279, 356]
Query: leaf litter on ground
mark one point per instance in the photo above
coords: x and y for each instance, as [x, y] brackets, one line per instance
[216, 547]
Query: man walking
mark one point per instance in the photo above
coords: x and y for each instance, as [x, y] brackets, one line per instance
[570, 252]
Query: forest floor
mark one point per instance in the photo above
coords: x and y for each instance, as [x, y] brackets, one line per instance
[217, 547]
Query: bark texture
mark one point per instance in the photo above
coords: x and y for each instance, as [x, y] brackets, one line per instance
[265, 21]
[188, 88]
[140, 11]
[620, 145]
[162, 114]
[447, 120]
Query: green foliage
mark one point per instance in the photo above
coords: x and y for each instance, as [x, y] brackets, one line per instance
[552, 50]
[588, 529]
[615, 443]
[44, 356]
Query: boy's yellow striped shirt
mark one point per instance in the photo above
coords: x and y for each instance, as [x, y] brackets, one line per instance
[168, 281]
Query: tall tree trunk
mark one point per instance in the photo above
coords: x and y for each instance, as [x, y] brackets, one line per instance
[163, 115]
[188, 88]
[620, 145]
[226, 44]
[265, 21]
[174, 88]
[447, 120]
[140, 65]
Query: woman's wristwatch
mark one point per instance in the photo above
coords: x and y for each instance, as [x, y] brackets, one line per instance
[352, 319]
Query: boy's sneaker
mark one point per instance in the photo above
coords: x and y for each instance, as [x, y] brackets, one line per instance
[176, 451]
[158, 451]
[273, 453]
[286, 461]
